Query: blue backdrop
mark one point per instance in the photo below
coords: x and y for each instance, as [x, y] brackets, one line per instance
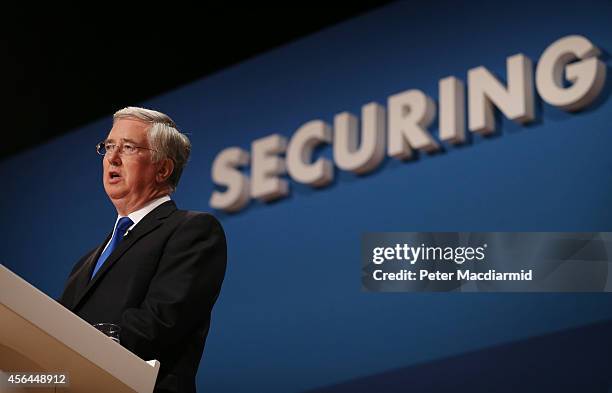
[291, 315]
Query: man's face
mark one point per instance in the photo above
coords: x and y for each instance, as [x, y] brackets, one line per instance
[129, 180]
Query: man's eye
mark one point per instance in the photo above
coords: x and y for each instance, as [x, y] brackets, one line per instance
[129, 148]
[109, 146]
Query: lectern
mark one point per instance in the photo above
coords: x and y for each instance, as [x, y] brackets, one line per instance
[37, 334]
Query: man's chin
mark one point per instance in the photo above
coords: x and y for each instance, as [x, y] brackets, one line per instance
[114, 191]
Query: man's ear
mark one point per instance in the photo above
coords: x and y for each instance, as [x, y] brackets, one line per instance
[166, 167]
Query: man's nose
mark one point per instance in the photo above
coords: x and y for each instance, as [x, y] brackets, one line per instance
[113, 157]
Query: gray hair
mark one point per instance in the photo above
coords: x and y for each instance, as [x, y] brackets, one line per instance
[163, 136]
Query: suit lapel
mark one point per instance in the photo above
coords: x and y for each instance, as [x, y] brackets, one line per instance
[82, 277]
[79, 278]
[149, 223]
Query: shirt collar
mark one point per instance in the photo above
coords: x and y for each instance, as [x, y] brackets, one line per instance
[139, 214]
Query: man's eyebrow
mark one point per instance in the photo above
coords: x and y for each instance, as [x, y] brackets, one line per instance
[110, 140]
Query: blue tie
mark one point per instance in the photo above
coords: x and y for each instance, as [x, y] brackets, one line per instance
[122, 226]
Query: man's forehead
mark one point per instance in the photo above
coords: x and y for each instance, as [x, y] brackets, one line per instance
[129, 130]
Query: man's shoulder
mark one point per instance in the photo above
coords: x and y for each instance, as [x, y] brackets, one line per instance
[169, 211]
[195, 229]
[195, 219]
[187, 215]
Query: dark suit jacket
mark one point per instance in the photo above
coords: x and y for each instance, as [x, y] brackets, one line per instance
[159, 285]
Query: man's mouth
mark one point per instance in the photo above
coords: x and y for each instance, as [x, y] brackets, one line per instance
[114, 177]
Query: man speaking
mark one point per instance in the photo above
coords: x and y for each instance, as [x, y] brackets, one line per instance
[159, 272]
